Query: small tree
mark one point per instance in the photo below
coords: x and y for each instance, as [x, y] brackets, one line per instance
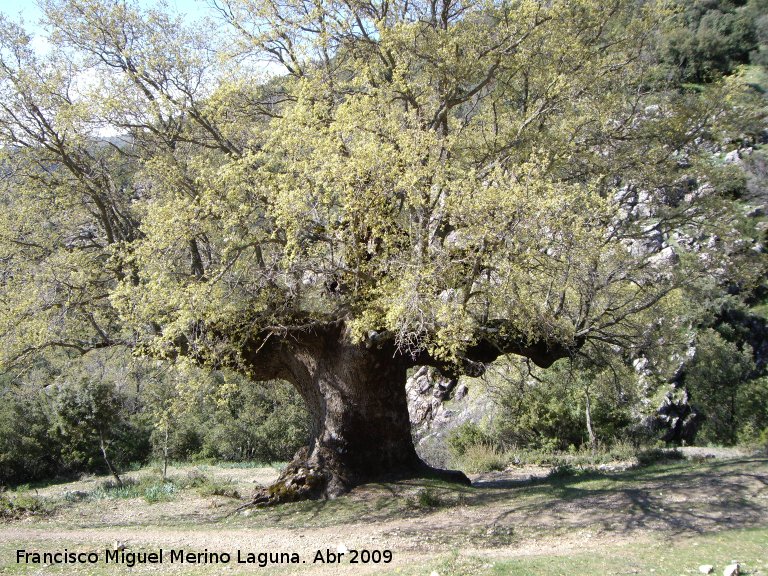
[718, 377]
[88, 415]
[27, 451]
[583, 401]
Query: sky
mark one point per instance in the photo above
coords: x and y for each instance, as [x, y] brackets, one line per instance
[29, 11]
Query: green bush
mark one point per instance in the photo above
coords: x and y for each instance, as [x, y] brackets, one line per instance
[207, 485]
[762, 441]
[563, 470]
[111, 490]
[27, 451]
[469, 434]
[263, 422]
[752, 401]
[185, 438]
[131, 444]
[719, 381]
[20, 505]
[711, 38]
[91, 415]
[428, 498]
[482, 458]
[545, 410]
[219, 488]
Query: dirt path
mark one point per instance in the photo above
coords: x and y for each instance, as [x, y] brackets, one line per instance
[507, 515]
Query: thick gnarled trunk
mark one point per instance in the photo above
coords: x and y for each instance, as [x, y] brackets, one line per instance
[355, 394]
[360, 429]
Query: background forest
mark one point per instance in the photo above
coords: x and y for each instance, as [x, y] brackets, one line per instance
[702, 377]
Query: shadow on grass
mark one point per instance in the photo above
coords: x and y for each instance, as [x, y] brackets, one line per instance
[674, 497]
[678, 498]
[375, 502]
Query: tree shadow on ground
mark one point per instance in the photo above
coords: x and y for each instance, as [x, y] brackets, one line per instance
[676, 498]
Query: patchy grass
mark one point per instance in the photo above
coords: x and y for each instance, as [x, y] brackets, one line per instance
[665, 518]
[483, 458]
[152, 489]
[23, 504]
[661, 556]
[656, 556]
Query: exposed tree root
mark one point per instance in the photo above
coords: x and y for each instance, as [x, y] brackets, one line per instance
[321, 477]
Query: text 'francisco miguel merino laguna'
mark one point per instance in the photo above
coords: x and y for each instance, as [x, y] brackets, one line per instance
[180, 556]
[174, 556]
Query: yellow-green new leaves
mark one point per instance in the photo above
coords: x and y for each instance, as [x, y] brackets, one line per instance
[427, 169]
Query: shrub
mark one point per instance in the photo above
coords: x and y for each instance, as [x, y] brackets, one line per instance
[21, 505]
[763, 441]
[482, 458]
[211, 486]
[428, 498]
[562, 471]
[27, 451]
[152, 489]
[90, 419]
[159, 492]
[658, 455]
[218, 488]
[462, 437]
[711, 38]
[265, 422]
[718, 379]
[546, 409]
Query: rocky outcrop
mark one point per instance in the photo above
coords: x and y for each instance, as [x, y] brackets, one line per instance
[427, 390]
[437, 405]
[676, 420]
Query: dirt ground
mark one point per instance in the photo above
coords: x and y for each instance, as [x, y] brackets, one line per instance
[507, 514]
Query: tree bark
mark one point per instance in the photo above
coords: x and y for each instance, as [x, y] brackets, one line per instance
[588, 414]
[355, 395]
[359, 430]
[103, 447]
[165, 453]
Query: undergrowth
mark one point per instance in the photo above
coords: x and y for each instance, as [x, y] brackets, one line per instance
[486, 457]
[151, 489]
[23, 504]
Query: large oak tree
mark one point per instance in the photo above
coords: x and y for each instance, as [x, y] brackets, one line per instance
[331, 192]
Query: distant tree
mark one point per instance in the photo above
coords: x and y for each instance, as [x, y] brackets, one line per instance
[710, 38]
[719, 380]
[27, 450]
[88, 416]
[429, 182]
[584, 401]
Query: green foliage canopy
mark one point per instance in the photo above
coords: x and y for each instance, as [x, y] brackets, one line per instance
[445, 173]
[710, 38]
